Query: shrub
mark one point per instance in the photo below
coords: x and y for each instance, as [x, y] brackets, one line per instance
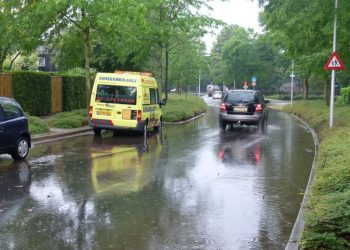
[36, 125]
[33, 91]
[73, 119]
[180, 107]
[344, 98]
[74, 92]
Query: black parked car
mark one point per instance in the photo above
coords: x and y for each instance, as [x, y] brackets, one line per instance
[243, 107]
[14, 132]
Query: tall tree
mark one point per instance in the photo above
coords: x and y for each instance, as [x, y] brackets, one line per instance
[168, 19]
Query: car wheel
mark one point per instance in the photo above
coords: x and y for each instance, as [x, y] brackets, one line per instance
[97, 131]
[160, 125]
[21, 150]
[222, 124]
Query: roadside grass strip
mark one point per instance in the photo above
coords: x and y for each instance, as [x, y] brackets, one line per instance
[327, 223]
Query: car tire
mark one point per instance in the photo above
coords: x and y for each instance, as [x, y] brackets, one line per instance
[222, 124]
[160, 125]
[97, 131]
[22, 149]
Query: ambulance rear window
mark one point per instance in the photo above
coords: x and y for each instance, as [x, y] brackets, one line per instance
[116, 94]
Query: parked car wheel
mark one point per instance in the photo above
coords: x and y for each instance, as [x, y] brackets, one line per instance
[21, 150]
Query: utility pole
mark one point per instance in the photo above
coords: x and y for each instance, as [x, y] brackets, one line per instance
[292, 84]
[199, 83]
[331, 112]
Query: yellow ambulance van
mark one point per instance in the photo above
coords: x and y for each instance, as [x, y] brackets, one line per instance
[125, 101]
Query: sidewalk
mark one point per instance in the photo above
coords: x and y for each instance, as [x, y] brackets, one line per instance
[60, 133]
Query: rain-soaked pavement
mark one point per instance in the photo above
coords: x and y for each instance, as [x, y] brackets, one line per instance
[190, 187]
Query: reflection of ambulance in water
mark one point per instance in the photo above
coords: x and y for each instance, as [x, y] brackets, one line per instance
[125, 101]
[121, 169]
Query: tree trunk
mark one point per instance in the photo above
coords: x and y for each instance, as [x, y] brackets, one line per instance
[306, 88]
[86, 38]
[326, 91]
[14, 59]
[166, 71]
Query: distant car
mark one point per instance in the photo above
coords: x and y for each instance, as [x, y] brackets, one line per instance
[14, 132]
[217, 94]
[243, 107]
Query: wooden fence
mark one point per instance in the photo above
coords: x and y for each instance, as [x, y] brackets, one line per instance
[56, 94]
[6, 89]
[6, 85]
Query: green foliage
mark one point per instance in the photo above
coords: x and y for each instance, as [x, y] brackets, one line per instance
[328, 214]
[344, 98]
[180, 107]
[240, 54]
[73, 119]
[74, 92]
[33, 91]
[37, 125]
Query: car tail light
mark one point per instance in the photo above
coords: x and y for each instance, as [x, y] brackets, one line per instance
[223, 107]
[258, 108]
[139, 115]
[90, 111]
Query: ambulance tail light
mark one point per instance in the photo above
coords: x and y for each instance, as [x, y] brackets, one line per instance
[90, 111]
[139, 115]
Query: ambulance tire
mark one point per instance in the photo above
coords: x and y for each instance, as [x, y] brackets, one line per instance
[97, 131]
[160, 125]
[144, 130]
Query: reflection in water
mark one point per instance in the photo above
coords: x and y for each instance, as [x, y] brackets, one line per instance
[15, 181]
[123, 168]
[240, 147]
[194, 188]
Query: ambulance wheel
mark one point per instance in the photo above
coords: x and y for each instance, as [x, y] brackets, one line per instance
[144, 131]
[97, 131]
[160, 125]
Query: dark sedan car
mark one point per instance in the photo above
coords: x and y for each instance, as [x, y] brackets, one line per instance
[14, 133]
[243, 107]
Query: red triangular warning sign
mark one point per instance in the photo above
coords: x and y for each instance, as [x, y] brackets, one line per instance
[334, 62]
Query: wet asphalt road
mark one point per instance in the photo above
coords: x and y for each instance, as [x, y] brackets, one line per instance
[190, 187]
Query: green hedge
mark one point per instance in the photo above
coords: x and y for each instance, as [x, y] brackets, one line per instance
[33, 91]
[74, 92]
[344, 98]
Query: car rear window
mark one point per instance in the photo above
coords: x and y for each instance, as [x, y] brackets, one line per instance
[239, 97]
[116, 94]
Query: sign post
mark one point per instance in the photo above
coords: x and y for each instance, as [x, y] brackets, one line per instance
[253, 82]
[334, 63]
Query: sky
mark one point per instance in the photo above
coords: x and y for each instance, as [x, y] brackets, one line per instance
[244, 13]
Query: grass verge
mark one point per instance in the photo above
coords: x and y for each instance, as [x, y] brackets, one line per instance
[37, 125]
[327, 220]
[73, 119]
[180, 107]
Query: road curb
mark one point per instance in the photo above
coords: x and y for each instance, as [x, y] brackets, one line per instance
[295, 237]
[186, 121]
[62, 133]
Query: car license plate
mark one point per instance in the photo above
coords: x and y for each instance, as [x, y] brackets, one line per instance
[241, 109]
[104, 112]
[126, 114]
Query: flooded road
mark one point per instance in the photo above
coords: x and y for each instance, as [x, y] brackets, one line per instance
[190, 187]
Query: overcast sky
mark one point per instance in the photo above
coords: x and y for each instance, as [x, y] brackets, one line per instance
[241, 12]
